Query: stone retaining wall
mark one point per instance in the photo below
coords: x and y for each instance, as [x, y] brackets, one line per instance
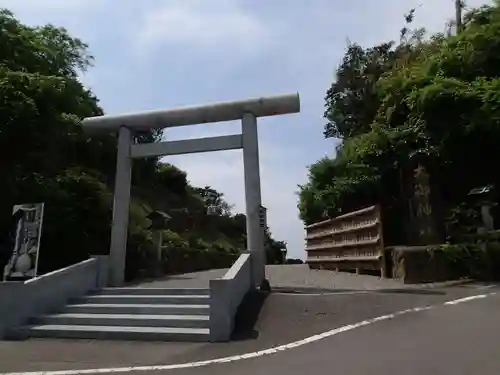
[420, 264]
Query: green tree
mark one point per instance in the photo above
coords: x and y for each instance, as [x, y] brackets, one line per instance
[438, 96]
[275, 250]
[43, 154]
[351, 101]
[214, 198]
[46, 157]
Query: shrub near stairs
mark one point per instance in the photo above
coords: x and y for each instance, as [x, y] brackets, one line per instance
[181, 256]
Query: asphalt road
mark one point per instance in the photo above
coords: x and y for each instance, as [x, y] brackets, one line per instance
[461, 339]
[456, 339]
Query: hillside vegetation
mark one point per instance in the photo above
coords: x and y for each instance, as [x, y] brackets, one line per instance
[438, 96]
[45, 157]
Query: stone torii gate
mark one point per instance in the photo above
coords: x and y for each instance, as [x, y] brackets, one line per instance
[127, 124]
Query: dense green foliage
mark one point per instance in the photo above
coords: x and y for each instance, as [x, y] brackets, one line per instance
[439, 96]
[476, 256]
[45, 157]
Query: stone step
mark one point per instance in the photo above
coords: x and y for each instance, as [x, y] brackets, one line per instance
[119, 333]
[149, 309]
[145, 299]
[124, 320]
[154, 291]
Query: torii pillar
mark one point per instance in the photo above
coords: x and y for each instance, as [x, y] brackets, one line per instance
[125, 125]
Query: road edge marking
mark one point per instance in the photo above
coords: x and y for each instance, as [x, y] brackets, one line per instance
[467, 299]
[256, 354]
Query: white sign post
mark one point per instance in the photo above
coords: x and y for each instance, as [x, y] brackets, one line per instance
[28, 220]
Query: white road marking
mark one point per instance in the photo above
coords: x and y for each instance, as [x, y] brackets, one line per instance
[260, 353]
[466, 299]
[324, 294]
[488, 286]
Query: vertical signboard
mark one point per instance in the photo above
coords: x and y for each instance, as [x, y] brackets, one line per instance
[263, 217]
[27, 229]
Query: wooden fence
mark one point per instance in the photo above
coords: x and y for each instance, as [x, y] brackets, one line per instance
[352, 241]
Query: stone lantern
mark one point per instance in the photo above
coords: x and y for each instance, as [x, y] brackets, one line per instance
[483, 197]
[159, 221]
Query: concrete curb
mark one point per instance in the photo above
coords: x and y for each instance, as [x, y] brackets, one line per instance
[443, 284]
[291, 289]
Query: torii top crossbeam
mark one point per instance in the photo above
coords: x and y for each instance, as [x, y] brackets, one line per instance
[216, 112]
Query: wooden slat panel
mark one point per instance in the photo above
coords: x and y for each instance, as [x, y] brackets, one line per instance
[355, 237]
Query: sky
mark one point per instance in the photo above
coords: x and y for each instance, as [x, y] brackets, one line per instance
[158, 54]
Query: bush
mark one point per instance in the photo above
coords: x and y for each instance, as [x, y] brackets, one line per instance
[140, 252]
[479, 260]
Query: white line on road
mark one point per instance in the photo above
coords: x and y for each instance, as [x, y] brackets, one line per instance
[466, 299]
[324, 294]
[260, 353]
[488, 286]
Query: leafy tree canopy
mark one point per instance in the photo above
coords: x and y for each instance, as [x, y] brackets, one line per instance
[45, 157]
[437, 95]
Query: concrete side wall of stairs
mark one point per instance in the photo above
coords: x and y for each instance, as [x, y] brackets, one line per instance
[226, 295]
[47, 293]
[73, 303]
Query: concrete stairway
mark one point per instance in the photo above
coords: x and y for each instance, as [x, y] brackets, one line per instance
[157, 314]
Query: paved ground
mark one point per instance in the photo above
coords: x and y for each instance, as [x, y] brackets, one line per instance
[293, 276]
[187, 280]
[461, 339]
[285, 318]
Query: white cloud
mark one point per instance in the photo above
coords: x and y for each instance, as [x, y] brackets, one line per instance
[74, 15]
[47, 7]
[201, 24]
